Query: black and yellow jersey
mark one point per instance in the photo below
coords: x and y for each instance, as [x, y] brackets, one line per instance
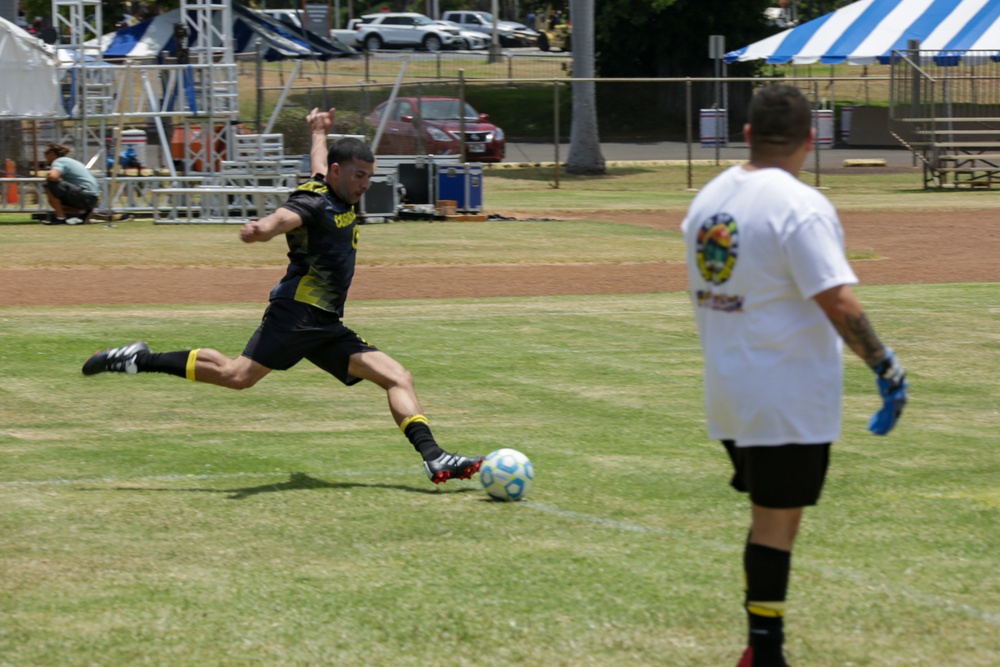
[321, 252]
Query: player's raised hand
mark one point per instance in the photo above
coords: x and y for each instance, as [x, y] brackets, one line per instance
[321, 121]
[892, 386]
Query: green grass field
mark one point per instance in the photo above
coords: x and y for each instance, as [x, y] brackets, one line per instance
[152, 521]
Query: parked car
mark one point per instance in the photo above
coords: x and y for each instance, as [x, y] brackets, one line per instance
[510, 33]
[403, 29]
[433, 126]
[469, 40]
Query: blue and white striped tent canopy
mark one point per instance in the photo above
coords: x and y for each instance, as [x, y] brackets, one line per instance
[868, 31]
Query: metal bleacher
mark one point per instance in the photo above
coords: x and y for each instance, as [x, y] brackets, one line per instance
[946, 109]
[252, 184]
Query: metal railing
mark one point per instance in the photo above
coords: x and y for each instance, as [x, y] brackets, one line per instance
[660, 118]
[945, 106]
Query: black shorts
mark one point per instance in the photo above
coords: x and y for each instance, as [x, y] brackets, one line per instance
[291, 331]
[72, 195]
[781, 476]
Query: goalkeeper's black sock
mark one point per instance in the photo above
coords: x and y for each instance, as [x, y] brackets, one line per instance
[173, 363]
[418, 432]
[767, 571]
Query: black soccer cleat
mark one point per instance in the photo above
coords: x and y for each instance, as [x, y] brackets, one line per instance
[452, 466]
[115, 360]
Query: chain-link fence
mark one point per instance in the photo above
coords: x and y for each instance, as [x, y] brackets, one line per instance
[477, 109]
[931, 86]
[533, 112]
[945, 106]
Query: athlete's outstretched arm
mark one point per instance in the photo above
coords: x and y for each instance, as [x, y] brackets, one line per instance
[848, 317]
[320, 125]
[281, 221]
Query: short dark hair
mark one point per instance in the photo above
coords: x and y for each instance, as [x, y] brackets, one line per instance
[347, 149]
[780, 119]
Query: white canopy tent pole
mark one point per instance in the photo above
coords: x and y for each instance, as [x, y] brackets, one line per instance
[283, 97]
[388, 106]
[158, 120]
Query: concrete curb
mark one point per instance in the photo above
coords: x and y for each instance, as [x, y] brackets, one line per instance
[874, 162]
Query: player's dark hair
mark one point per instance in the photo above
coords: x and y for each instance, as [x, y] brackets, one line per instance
[349, 149]
[780, 119]
[58, 149]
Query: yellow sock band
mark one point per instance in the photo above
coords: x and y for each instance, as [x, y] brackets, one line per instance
[412, 420]
[767, 609]
[191, 363]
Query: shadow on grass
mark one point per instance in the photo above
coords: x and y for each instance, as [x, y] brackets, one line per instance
[298, 481]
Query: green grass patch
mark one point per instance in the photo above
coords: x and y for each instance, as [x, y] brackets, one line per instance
[144, 244]
[152, 520]
[540, 191]
[665, 188]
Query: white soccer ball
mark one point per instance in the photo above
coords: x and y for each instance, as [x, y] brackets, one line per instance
[507, 474]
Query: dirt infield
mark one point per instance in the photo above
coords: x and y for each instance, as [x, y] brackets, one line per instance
[910, 247]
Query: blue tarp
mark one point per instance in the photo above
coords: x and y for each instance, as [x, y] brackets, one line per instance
[154, 37]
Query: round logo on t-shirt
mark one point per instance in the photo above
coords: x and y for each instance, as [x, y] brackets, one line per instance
[717, 248]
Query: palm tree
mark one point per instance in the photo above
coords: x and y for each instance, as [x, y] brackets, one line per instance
[584, 143]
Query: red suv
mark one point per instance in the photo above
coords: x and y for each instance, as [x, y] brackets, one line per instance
[433, 126]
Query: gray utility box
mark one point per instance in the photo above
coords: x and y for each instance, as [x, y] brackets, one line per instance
[381, 200]
[417, 174]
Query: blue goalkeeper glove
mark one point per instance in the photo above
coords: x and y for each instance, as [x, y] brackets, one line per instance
[891, 382]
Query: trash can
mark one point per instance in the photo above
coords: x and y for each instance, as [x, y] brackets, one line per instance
[823, 122]
[845, 123]
[714, 127]
[136, 139]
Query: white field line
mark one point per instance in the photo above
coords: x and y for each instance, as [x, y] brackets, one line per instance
[833, 573]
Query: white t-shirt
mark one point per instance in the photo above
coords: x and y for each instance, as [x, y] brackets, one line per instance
[760, 245]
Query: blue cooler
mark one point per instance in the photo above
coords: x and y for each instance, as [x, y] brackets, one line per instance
[462, 183]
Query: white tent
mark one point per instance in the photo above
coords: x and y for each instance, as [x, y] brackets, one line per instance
[869, 31]
[29, 76]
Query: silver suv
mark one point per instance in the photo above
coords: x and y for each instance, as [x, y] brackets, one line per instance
[407, 29]
[510, 33]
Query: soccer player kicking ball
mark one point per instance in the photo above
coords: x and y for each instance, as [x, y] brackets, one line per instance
[770, 284]
[303, 319]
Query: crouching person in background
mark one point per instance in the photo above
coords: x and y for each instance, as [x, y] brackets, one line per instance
[71, 188]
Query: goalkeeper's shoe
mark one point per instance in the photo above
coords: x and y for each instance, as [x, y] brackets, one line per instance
[747, 659]
[452, 466]
[115, 360]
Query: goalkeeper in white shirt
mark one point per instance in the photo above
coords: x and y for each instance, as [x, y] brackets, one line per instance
[771, 289]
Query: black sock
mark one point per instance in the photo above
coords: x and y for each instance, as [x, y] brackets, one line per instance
[418, 432]
[767, 571]
[174, 363]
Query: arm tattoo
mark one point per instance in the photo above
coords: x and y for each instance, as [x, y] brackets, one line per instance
[859, 335]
